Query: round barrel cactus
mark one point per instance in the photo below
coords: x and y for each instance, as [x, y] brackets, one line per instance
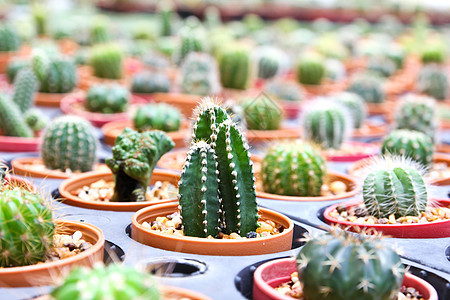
[269, 61]
[9, 39]
[262, 113]
[355, 105]
[60, 77]
[433, 53]
[69, 143]
[382, 66]
[369, 87]
[235, 67]
[433, 81]
[106, 61]
[284, 90]
[107, 99]
[311, 69]
[150, 82]
[293, 169]
[159, 116]
[199, 75]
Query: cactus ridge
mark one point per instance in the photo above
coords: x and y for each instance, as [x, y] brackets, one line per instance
[25, 87]
[369, 87]
[107, 99]
[9, 39]
[234, 68]
[159, 116]
[355, 105]
[433, 81]
[11, 121]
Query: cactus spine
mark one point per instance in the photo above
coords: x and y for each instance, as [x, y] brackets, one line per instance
[11, 120]
[106, 60]
[262, 114]
[311, 69]
[234, 67]
[159, 116]
[107, 99]
[433, 81]
[355, 105]
[369, 87]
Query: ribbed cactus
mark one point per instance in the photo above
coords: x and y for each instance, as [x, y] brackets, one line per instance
[382, 66]
[193, 38]
[433, 81]
[9, 39]
[217, 186]
[369, 87]
[262, 113]
[69, 143]
[106, 60]
[107, 99]
[394, 185]
[293, 169]
[433, 53]
[150, 82]
[159, 116]
[26, 228]
[60, 77]
[268, 61]
[166, 15]
[134, 158]
[341, 266]
[355, 105]
[14, 66]
[12, 122]
[25, 87]
[311, 69]
[234, 67]
[40, 14]
[199, 75]
[99, 32]
[35, 119]
[113, 282]
[413, 144]
[284, 90]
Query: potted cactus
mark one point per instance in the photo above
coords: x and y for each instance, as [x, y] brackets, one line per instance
[9, 45]
[433, 81]
[288, 93]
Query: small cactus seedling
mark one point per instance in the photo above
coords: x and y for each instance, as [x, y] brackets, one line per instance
[369, 87]
[150, 82]
[341, 266]
[355, 105]
[9, 39]
[262, 113]
[106, 60]
[311, 69]
[284, 90]
[413, 144]
[25, 87]
[234, 67]
[35, 119]
[293, 169]
[433, 81]
[159, 116]
[199, 75]
[69, 143]
[107, 99]
[134, 158]
[12, 122]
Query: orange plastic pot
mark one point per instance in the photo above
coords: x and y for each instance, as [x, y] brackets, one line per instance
[186, 244]
[184, 102]
[50, 272]
[386, 108]
[69, 186]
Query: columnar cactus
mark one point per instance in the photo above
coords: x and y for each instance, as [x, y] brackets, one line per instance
[107, 99]
[14, 66]
[9, 39]
[324, 265]
[192, 38]
[433, 81]
[27, 228]
[394, 186]
[25, 86]
[150, 82]
[413, 144]
[134, 158]
[262, 113]
[35, 119]
[355, 105]
[40, 19]
[293, 169]
[159, 116]
[69, 143]
[11, 121]
[369, 87]
[118, 282]
[311, 69]
[106, 60]
[166, 15]
[234, 67]
[284, 90]
[99, 32]
[199, 75]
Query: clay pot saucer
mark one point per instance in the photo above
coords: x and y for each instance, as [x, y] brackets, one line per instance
[69, 186]
[204, 246]
[49, 272]
[370, 150]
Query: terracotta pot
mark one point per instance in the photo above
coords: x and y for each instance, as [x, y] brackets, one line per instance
[172, 292]
[112, 129]
[437, 229]
[50, 99]
[204, 246]
[87, 79]
[278, 271]
[184, 102]
[291, 109]
[371, 130]
[386, 108]
[372, 150]
[261, 136]
[325, 88]
[5, 57]
[19, 144]
[443, 148]
[69, 186]
[50, 272]
[68, 46]
[21, 166]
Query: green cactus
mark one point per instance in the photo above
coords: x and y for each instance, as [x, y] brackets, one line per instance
[25, 86]
[293, 169]
[212, 17]
[382, 66]
[199, 75]
[14, 66]
[397, 54]
[217, 186]
[234, 67]
[118, 282]
[340, 266]
[150, 82]
[413, 144]
[69, 143]
[40, 19]
[134, 158]
[369, 87]
[166, 15]
[192, 38]
[9, 39]
[433, 53]
[262, 113]
[284, 90]
[35, 119]
[99, 32]
[268, 63]
[11, 121]
[27, 228]
[433, 81]
[311, 69]
[394, 185]
[107, 99]
[355, 105]
[159, 116]
[106, 60]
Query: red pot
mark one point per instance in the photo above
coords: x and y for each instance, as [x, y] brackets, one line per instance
[19, 144]
[372, 150]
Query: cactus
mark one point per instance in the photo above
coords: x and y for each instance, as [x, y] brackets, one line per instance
[413, 144]
[35, 119]
[311, 69]
[369, 87]
[262, 113]
[394, 186]
[150, 82]
[268, 63]
[217, 185]
[341, 266]
[433, 53]
[11, 120]
[134, 158]
[40, 19]
[433, 81]
[107, 99]
[99, 32]
[69, 143]
[9, 39]
[192, 38]
[293, 169]
[234, 67]
[199, 75]
[14, 66]
[25, 86]
[166, 15]
[118, 282]
[27, 228]
[382, 66]
[397, 54]
[159, 116]
[355, 105]
[212, 17]
[106, 60]
[284, 90]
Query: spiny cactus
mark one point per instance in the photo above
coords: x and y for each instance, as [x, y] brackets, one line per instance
[106, 60]
[14, 66]
[99, 32]
[25, 86]
[382, 66]
[311, 69]
[69, 143]
[217, 186]
[166, 15]
[193, 38]
[234, 67]
[11, 121]
[199, 75]
[60, 77]
[433, 81]
[27, 228]
[35, 119]
[40, 14]
[369, 87]
[284, 90]
[293, 169]
[413, 144]
[324, 265]
[397, 54]
[134, 158]
[355, 105]
[150, 82]
[433, 53]
[262, 113]
[9, 39]
[268, 62]
[118, 282]
[159, 116]
[107, 99]
[394, 185]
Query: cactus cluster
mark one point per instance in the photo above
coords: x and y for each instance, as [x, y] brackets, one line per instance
[293, 169]
[69, 143]
[311, 69]
[150, 82]
[107, 99]
[217, 185]
[134, 158]
[369, 87]
[355, 105]
[9, 39]
[234, 67]
[35, 119]
[433, 81]
[284, 90]
[106, 61]
[159, 116]
[199, 75]
[262, 113]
